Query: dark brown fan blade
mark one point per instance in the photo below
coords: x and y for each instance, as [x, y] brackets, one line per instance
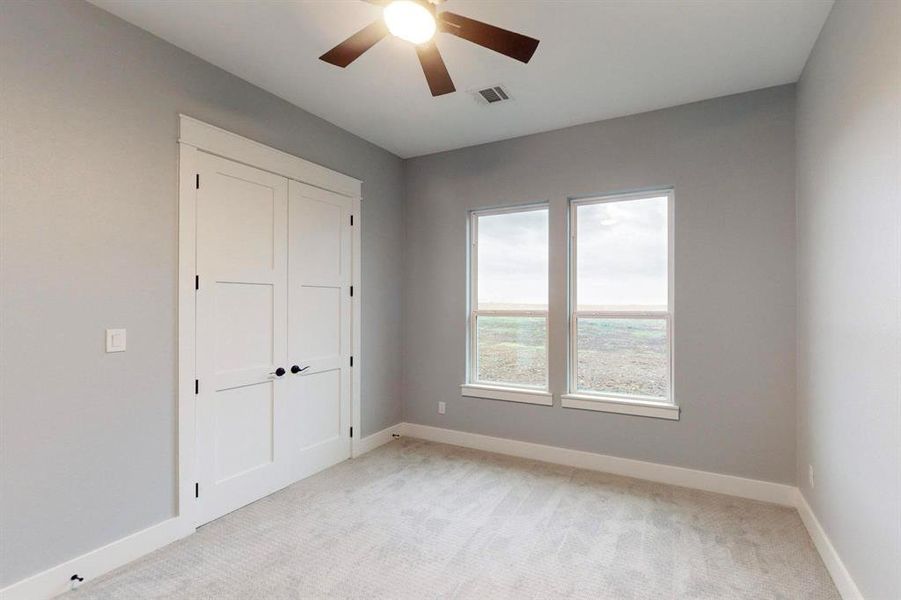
[435, 72]
[350, 49]
[512, 44]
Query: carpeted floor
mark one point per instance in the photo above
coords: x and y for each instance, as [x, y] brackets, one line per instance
[414, 519]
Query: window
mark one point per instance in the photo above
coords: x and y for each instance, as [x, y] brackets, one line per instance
[508, 318]
[620, 307]
[618, 351]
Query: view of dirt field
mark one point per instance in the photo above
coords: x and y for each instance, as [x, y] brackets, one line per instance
[512, 350]
[624, 356]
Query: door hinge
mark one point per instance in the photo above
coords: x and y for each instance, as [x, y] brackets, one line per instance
[351, 291]
[197, 282]
[351, 432]
[196, 386]
[197, 490]
[197, 181]
[351, 361]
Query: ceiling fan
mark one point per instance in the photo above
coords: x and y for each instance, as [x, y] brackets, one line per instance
[417, 21]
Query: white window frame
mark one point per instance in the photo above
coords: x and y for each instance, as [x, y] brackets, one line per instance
[508, 392]
[664, 408]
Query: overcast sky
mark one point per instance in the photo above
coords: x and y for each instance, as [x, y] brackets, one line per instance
[513, 258]
[622, 253]
[621, 256]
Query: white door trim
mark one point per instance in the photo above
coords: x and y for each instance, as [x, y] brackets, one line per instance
[356, 332]
[232, 146]
[196, 137]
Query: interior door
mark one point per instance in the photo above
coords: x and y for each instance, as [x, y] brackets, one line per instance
[241, 334]
[319, 328]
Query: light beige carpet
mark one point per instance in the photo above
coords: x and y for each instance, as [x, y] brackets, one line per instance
[414, 519]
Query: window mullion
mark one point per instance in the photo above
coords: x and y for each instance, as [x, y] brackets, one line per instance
[621, 314]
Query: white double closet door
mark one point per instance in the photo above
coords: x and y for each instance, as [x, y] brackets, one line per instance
[273, 337]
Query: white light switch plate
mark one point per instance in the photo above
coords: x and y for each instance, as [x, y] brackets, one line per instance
[115, 340]
[442, 408]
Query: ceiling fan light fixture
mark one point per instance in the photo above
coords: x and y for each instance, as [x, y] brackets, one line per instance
[410, 21]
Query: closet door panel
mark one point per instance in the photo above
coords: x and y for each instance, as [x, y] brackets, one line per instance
[319, 330]
[241, 304]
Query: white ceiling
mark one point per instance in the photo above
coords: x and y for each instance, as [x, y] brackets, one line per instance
[597, 60]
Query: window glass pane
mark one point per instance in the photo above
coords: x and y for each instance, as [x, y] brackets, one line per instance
[622, 255]
[512, 350]
[622, 356]
[512, 255]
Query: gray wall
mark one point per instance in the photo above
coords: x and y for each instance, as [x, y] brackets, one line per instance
[89, 124]
[731, 161]
[849, 289]
[88, 204]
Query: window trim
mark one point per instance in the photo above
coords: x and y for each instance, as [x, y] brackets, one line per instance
[627, 406]
[510, 394]
[666, 407]
[496, 390]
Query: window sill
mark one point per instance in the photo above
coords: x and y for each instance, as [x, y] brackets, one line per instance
[510, 394]
[624, 406]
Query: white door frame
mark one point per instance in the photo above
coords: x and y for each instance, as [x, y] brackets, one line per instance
[196, 137]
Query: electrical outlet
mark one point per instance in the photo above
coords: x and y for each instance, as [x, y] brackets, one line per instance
[810, 476]
[442, 408]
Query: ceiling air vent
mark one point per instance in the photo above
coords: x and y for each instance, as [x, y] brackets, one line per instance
[492, 95]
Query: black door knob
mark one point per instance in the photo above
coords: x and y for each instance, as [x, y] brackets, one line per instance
[296, 369]
[279, 372]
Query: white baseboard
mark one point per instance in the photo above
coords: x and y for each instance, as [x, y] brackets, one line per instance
[754, 489]
[840, 575]
[373, 441]
[56, 580]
